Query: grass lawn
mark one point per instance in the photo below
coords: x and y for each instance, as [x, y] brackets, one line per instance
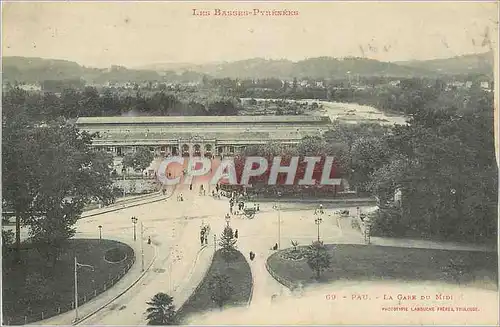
[359, 262]
[240, 275]
[35, 286]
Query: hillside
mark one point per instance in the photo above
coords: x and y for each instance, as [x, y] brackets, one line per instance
[481, 63]
[37, 69]
[32, 70]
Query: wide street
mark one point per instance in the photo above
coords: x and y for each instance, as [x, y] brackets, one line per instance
[181, 262]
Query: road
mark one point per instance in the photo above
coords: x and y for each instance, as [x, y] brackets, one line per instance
[181, 263]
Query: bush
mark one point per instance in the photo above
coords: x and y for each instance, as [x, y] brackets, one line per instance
[115, 255]
[355, 224]
[387, 222]
[291, 254]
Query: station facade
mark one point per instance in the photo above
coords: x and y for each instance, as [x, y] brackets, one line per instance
[198, 136]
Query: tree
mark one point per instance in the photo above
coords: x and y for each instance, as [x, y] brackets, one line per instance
[161, 310]
[318, 258]
[227, 242]
[139, 160]
[221, 289]
[50, 172]
[7, 240]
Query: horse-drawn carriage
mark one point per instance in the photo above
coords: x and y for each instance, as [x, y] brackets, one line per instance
[249, 212]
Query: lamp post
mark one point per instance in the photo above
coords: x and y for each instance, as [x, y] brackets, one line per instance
[142, 247]
[78, 265]
[318, 213]
[277, 207]
[100, 232]
[134, 221]
[123, 173]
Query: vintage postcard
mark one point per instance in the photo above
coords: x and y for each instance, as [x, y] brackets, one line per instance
[249, 163]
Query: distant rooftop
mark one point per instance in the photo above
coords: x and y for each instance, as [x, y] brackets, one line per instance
[202, 119]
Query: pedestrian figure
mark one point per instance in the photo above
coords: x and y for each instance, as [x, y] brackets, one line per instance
[236, 234]
[275, 247]
[181, 198]
[202, 237]
[252, 256]
[190, 187]
[163, 190]
[206, 239]
[258, 207]
[149, 239]
[217, 187]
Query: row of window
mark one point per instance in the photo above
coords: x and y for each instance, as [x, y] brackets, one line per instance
[175, 150]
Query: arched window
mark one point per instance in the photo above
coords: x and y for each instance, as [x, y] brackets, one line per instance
[185, 150]
[208, 150]
[197, 152]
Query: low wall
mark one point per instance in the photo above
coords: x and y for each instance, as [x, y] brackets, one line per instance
[285, 282]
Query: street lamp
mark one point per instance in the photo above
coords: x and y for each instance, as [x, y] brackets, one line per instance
[277, 207]
[134, 221]
[123, 173]
[142, 246]
[318, 213]
[78, 265]
[100, 232]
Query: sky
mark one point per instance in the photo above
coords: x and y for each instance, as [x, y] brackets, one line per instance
[133, 34]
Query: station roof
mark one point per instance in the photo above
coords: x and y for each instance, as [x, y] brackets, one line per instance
[294, 119]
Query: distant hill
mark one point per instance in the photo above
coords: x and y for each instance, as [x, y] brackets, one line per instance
[37, 69]
[321, 67]
[32, 70]
[481, 63]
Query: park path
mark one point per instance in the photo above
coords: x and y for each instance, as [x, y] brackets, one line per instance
[174, 228]
[121, 286]
[180, 265]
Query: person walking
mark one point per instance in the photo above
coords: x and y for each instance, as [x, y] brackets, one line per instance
[236, 234]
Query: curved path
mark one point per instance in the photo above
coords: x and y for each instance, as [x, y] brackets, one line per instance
[181, 263]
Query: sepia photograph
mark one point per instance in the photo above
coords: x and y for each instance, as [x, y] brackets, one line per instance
[250, 163]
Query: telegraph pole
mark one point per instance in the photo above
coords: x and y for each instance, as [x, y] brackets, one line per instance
[76, 290]
[142, 246]
[76, 285]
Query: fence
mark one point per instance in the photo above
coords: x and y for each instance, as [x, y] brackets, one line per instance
[180, 312]
[82, 299]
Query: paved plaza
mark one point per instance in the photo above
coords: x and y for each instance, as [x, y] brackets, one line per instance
[175, 262]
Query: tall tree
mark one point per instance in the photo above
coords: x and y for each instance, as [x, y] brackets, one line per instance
[318, 258]
[50, 172]
[227, 242]
[161, 310]
[139, 160]
[221, 289]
